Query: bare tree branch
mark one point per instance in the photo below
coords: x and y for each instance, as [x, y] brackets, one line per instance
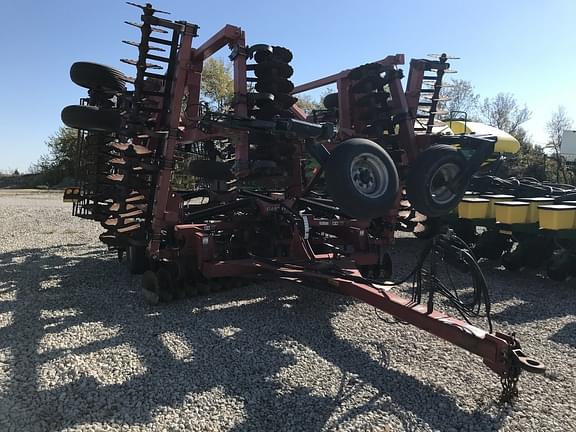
[503, 112]
[558, 123]
[461, 98]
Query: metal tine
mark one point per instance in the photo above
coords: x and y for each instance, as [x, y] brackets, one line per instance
[148, 7]
[158, 58]
[424, 111]
[135, 63]
[128, 79]
[137, 45]
[431, 84]
[154, 29]
[160, 41]
[439, 98]
[435, 56]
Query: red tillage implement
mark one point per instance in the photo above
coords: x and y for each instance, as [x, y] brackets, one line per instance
[272, 190]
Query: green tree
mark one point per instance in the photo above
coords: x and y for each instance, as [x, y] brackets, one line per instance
[59, 162]
[523, 138]
[307, 103]
[217, 84]
[531, 161]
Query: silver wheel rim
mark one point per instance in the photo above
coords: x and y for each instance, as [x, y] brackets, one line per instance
[439, 190]
[369, 175]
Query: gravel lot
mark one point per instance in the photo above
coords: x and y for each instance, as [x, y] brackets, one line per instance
[79, 349]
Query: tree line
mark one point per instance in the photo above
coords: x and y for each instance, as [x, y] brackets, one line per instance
[504, 112]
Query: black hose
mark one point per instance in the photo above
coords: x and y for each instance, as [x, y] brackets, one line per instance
[453, 252]
[521, 187]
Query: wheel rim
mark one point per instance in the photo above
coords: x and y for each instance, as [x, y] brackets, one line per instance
[369, 175]
[439, 184]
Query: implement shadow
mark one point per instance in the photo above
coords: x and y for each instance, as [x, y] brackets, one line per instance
[233, 338]
[566, 335]
[538, 297]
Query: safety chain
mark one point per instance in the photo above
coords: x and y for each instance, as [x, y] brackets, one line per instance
[509, 385]
[509, 380]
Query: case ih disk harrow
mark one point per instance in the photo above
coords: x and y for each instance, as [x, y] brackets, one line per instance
[255, 207]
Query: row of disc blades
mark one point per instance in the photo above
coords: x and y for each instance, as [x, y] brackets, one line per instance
[271, 82]
[117, 180]
[372, 112]
[119, 165]
[271, 98]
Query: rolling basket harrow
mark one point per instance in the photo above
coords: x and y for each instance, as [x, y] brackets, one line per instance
[253, 208]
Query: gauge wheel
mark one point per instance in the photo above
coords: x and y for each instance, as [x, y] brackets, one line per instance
[433, 185]
[91, 118]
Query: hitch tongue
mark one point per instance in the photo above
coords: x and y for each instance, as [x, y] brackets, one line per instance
[527, 363]
[515, 361]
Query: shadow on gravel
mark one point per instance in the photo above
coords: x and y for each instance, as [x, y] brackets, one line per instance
[540, 297]
[566, 335]
[237, 343]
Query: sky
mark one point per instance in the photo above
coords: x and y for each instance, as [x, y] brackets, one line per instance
[527, 48]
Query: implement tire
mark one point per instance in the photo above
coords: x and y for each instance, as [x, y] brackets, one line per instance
[361, 178]
[91, 118]
[95, 76]
[428, 183]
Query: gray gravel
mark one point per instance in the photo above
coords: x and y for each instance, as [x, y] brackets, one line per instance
[79, 349]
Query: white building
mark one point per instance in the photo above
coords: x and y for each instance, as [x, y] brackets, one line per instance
[568, 146]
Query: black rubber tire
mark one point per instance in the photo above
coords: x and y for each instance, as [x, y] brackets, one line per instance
[340, 181]
[91, 118]
[366, 70]
[330, 101]
[274, 86]
[424, 172]
[214, 170]
[560, 267]
[261, 52]
[97, 77]
[271, 70]
[136, 259]
[260, 99]
[368, 84]
[282, 54]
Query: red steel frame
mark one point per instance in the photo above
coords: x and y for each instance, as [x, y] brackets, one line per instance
[494, 349]
[197, 243]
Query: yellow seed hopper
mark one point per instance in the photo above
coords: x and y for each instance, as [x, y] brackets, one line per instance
[506, 143]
